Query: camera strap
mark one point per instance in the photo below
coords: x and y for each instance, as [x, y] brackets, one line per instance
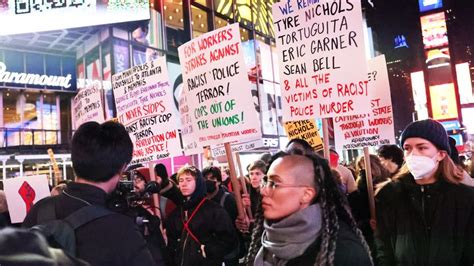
[186, 224]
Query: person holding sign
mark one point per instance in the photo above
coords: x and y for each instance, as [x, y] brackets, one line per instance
[424, 215]
[359, 199]
[199, 231]
[304, 219]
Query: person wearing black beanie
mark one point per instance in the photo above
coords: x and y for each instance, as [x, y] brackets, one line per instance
[424, 209]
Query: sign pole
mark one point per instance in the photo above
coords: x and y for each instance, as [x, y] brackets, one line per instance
[235, 182]
[242, 182]
[326, 138]
[370, 187]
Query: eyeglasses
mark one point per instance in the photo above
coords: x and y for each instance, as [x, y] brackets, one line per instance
[272, 185]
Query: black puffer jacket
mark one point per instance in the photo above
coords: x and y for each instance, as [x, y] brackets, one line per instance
[210, 225]
[425, 225]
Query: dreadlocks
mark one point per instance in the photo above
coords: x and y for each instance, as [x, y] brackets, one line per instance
[334, 207]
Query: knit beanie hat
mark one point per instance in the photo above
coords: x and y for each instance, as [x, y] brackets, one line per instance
[428, 129]
[143, 173]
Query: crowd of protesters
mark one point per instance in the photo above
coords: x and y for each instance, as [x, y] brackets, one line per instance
[299, 208]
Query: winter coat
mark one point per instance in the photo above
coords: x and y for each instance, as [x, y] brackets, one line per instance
[211, 229]
[210, 225]
[110, 240]
[349, 250]
[425, 224]
[360, 207]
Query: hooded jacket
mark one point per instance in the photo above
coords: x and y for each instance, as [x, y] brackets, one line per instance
[425, 224]
[210, 225]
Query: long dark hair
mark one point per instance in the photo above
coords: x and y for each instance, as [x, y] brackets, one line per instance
[334, 208]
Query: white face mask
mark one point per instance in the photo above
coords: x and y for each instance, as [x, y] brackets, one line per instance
[420, 166]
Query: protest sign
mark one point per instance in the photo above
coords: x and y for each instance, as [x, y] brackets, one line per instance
[305, 130]
[190, 145]
[322, 59]
[217, 88]
[144, 100]
[22, 193]
[375, 127]
[219, 150]
[88, 105]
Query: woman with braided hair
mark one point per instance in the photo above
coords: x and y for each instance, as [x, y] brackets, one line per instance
[304, 219]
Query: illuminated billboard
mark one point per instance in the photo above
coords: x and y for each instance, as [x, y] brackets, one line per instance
[443, 101]
[419, 94]
[463, 75]
[434, 30]
[24, 16]
[427, 5]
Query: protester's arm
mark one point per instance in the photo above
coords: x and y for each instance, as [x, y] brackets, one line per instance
[172, 192]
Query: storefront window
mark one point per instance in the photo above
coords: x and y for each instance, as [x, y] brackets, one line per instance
[202, 2]
[224, 7]
[219, 22]
[107, 79]
[243, 11]
[93, 65]
[11, 117]
[262, 16]
[50, 116]
[199, 21]
[175, 34]
[31, 117]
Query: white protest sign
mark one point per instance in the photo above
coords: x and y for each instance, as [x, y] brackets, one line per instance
[22, 193]
[217, 88]
[322, 59]
[190, 145]
[88, 105]
[375, 127]
[219, 150]
[144, 100]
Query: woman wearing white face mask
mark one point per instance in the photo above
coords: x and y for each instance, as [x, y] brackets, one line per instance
[425, 216]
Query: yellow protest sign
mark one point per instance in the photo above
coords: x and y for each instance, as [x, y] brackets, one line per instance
[306, 130]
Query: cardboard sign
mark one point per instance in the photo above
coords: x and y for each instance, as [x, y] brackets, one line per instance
[144, 100]
[375, 127]
[322, 59]
[88, 105]
[22, 193]
[306, 130]
[217, 88]
[219, 150]
[190, 145]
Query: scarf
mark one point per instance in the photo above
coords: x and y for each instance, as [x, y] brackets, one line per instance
[289, 238]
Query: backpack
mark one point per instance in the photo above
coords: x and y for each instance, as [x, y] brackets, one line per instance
[60, 233]
[222, 201]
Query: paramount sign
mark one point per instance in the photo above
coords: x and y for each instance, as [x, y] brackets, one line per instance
[33, 79]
